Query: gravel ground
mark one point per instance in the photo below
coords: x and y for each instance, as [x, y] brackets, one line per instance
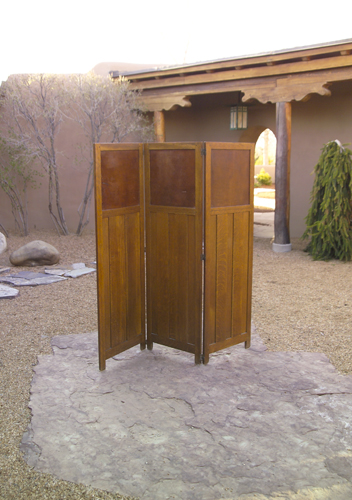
[303, 305]
[27, 324]
[298, 305]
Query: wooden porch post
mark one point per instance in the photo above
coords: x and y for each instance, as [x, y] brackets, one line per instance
[159, 126]
[282, 178]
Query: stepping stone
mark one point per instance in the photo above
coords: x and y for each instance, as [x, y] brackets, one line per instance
[28, 275]
[6, 292]
[71, 271]
[78, 265]
[76, 273]
[3, 243]
[56, 272]
[34, 281]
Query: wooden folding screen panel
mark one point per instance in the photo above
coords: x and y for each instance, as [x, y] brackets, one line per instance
[178, 213]
[174, 195]
[120, 247]
[228, 245]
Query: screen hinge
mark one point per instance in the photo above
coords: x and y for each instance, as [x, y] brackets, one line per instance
[203, 151]
[202, 257]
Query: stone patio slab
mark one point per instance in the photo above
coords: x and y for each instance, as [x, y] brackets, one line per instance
[33, 281]
[250, 424]
[7, 292]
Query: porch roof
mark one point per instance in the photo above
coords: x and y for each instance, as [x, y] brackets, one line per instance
[282, 76]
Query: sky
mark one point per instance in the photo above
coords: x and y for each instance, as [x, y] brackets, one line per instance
[73, 36]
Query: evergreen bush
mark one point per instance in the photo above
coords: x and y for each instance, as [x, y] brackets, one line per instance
[328, 222]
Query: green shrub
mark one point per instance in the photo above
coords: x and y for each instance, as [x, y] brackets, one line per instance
[328, 221]
[263, 178]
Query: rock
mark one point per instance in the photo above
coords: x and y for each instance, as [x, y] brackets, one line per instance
[3, 243]
[35, 253]
[75, 273]
[28, 278]
[56, 271]
[78, 265]
[6, 292]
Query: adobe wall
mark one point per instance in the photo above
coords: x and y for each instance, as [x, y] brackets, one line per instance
[73, 170]
[314, 122]
[208, 119]
[72, 175]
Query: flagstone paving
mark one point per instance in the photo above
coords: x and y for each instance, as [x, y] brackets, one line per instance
[250, 424]
[32, 278]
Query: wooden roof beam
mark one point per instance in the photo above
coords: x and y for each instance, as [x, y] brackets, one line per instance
[343, 48]
[266, 89]
[265, 71]
[164, 102]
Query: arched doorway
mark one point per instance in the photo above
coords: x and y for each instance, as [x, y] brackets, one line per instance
[264, 204]
[265, 154]
[264, 184]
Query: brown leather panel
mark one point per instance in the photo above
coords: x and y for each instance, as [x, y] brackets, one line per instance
[172, 178]
[119, 179]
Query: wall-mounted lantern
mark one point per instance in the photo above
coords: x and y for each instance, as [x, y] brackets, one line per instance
[238, 117]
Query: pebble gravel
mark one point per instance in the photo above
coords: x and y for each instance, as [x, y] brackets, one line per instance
[298, 305]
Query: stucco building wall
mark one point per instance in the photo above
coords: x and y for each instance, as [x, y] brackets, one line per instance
[73, 161]
[314, 122]
[72, 174]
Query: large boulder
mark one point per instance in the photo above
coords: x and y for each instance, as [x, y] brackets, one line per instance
[35, 253]
[3, 243]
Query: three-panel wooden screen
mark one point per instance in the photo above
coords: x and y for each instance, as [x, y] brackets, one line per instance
[174, 226]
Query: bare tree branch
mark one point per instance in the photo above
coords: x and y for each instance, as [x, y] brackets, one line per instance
[105, 110]
[33, 107]
[17, 174]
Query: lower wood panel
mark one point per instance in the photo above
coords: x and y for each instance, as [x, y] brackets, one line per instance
[121, 285]
[173, 280]
[227, 280]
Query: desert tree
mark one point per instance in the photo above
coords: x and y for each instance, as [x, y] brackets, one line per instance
[31, 107]
[108, 111]
[17, 174]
